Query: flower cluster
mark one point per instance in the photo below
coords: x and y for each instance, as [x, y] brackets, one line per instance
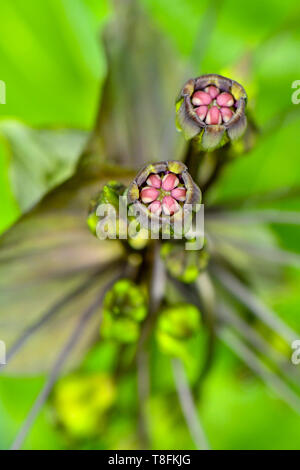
[164, 191]
[211, 110]
[214, 106]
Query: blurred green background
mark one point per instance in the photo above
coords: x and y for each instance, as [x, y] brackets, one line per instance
[53, 65]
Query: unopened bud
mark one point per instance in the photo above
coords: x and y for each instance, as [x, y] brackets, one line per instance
[200, 114]
[226, 114]
[179, 194]
[170, 181]
[225, 99]
[124, 307]
[184, 265]
[169, 205]
[201, 98]
[155, 207]
[155, 181]
[177, 197]
[109, 195]
[214, 116]
[176, 325]
[149, 194]
[212, 91]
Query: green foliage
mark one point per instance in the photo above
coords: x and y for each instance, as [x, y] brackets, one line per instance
[53, 66]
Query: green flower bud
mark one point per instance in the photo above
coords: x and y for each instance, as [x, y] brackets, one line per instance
[184, 265]
[82, 401]
[109, 194]
[175, 327]
[123, 330]
[124, 307]
[211, 110]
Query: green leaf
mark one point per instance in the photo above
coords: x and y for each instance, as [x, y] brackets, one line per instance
[40, 159]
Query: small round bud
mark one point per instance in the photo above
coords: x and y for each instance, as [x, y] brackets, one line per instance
[212, 91]
[201, 98]
[124, 307]
[149, 194]
[184, 265]
[201, 112]
[225, 99]
[213, 116]
[79, 417]
[179, 194]
[109, 194]
[169, 205]
[155, 207]
[155, 181]
[170, 181]
[226, 114]
[177, 325]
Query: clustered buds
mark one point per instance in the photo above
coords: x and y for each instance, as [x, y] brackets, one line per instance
[163, 191]
[211, 109]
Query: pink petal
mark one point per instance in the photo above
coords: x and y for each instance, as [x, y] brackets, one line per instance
[200, 97]
[213, 91]
[169, 205]
[179, 194]
[154, 180]
[226, 114]
[169, 182]
[155, 207]
[201, 112]
[213, 116]
[225, 99]
[149, 194]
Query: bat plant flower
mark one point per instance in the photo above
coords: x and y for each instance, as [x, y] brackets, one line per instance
[163, 192]
[211, 110]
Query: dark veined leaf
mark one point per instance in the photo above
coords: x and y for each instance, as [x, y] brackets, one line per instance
[51, 268]
[49, 253]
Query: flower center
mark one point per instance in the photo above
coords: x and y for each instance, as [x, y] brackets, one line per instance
[213, 105]
[164, 192]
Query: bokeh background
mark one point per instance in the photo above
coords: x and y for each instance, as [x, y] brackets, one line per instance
[53, 64]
